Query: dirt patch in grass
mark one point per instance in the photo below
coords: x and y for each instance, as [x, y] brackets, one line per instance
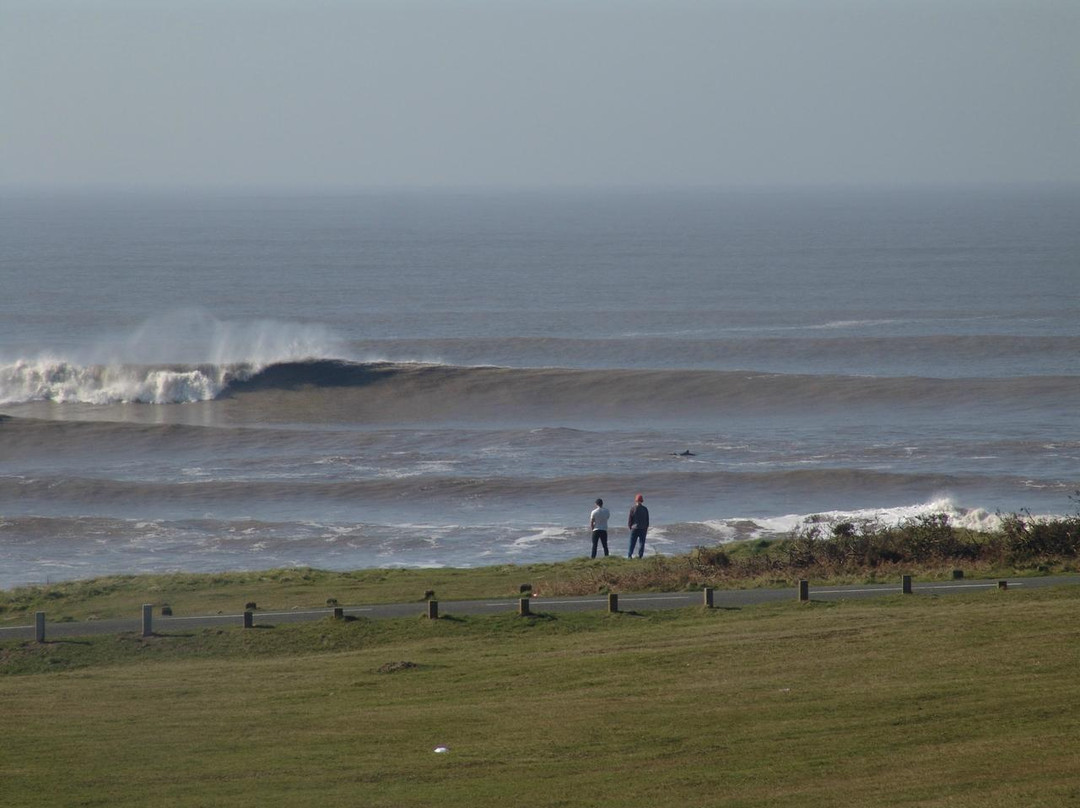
[397, 667]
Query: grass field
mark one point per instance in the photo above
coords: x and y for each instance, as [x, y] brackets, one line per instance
[957, 701]
[747, 565]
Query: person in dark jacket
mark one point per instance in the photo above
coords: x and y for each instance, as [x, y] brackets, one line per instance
[639, 526]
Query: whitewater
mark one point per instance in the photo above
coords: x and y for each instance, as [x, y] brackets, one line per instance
[205, 382]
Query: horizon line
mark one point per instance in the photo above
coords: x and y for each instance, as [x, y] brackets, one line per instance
[298, 189]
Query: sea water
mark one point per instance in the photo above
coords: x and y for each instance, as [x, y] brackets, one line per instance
[207, 382]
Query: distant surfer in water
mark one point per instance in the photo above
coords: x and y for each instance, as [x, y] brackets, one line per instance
[598, 520]
[687, 453]
[639, 526]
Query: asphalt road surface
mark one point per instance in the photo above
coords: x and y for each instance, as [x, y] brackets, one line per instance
[722, 599]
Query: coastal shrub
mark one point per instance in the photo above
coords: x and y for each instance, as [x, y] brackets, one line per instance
[844, 546]
[803, 549]
[709, 558]
[1026, 537]
[852, 546]
[930, 537]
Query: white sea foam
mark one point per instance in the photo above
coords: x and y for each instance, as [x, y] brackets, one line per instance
[541, 536]
[180, 357]
[970, 518]
[837, 324]
[420, 469]
[53, 379]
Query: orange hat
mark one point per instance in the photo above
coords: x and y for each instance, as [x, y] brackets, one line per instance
[639, 498]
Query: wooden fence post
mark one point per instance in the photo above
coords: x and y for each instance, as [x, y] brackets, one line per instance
[339, 613]
[907, 584]
[612, 603]
[523, 606]
[804, 590]
[1003, 584]
[433, 610]
[707, 595]
[147, 619]
[249, 620]
[39, 626]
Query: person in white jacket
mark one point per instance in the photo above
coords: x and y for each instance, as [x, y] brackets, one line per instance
[598, 520]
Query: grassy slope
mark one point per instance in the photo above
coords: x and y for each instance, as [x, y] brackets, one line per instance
[966, 700]
[283, 589]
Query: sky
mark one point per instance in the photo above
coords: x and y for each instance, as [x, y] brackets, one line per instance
[537, 93]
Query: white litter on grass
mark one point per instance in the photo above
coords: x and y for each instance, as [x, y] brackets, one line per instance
[441, 750]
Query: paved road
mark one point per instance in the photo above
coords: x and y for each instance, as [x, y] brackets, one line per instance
[728, 598]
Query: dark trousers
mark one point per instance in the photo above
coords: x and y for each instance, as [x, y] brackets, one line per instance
[637, 534]
[599, 536]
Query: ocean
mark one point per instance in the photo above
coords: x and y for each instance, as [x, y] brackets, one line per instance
[222, 381]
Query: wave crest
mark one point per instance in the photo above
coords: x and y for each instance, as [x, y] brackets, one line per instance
[66, 382]
[181, 356]
[430, 390]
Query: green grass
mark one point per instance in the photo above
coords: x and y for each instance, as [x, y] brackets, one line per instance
[278, 590]
[955, 701]
[738, 565]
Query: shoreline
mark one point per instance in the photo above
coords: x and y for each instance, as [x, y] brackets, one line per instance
[50, 551]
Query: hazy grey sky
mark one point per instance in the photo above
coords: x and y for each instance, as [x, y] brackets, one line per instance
[512, 92]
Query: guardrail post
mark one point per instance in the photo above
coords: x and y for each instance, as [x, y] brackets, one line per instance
[804, 590]
[523, 606]
[612, 603]
[707, 596]
[433, 610]
[39, 626]
[249, 620]
[147, 619]
[907, 584]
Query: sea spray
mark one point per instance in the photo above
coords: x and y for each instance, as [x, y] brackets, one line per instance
[180, 357]
[195, 337]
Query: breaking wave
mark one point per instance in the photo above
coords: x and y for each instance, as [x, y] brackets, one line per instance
[64, 382]
[978, 519]
[184, 356]
[403, 388]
